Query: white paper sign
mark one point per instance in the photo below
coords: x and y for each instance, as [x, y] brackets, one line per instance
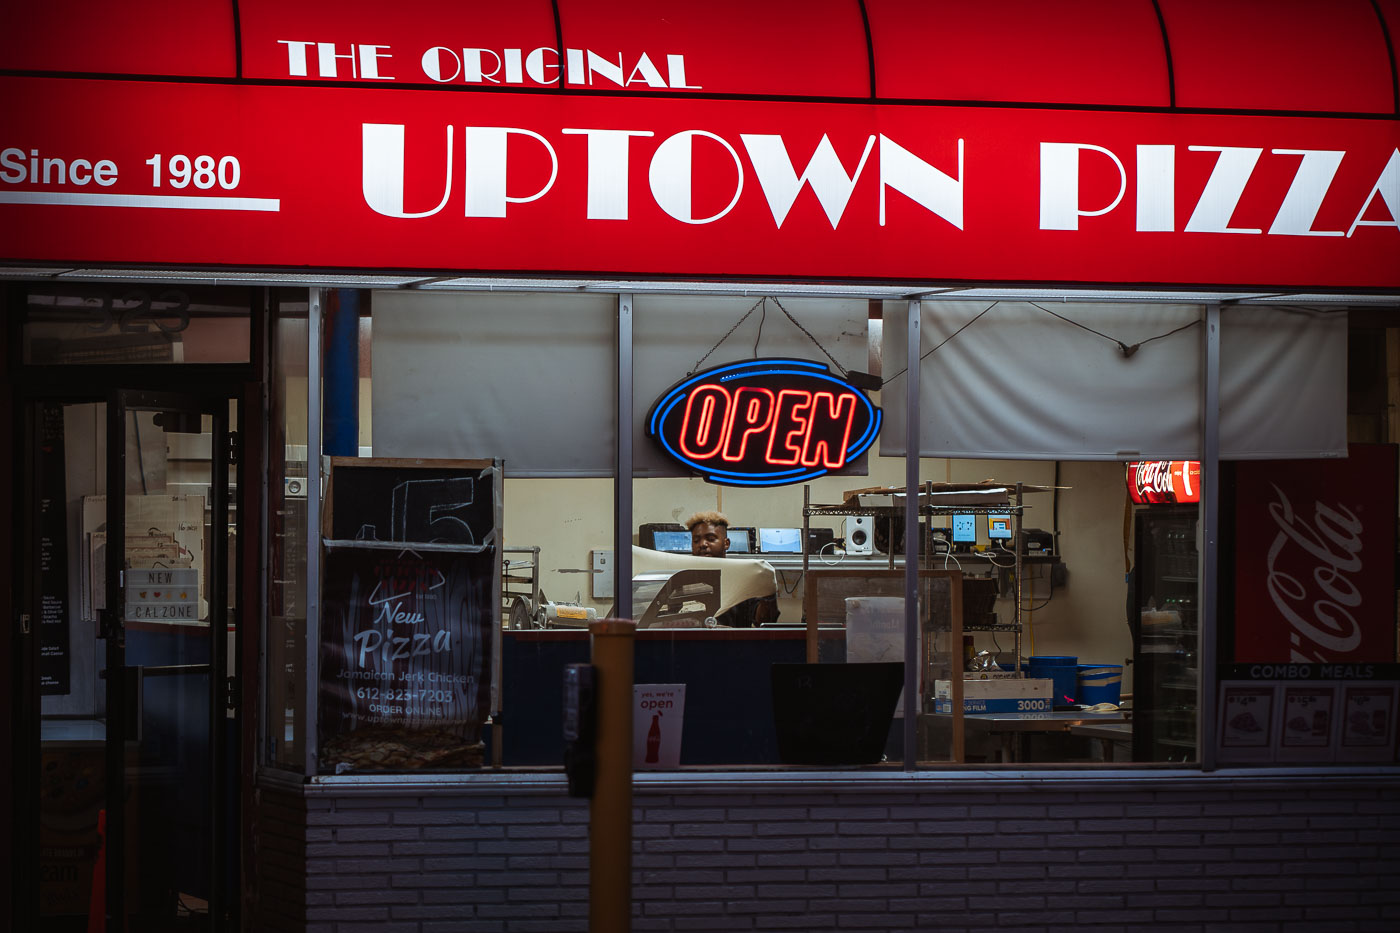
[658, 717]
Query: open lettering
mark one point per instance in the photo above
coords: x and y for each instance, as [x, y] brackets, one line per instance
[790, 427]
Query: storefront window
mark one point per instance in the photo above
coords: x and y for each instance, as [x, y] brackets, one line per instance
[1026, 500]
[500, 409]
[742, 655]
[1057, 620]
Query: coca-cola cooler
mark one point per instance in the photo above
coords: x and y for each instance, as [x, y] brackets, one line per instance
[1162, 610]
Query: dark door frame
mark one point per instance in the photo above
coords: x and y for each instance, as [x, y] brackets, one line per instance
[21, 385]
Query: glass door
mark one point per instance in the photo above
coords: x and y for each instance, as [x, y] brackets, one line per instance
[127, 582]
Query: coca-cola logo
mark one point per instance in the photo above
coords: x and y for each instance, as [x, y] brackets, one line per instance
[1154, 481]
[1318, 605]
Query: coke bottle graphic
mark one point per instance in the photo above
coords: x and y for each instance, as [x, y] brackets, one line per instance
[654, 740]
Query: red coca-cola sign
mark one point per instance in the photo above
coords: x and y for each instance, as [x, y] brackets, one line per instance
[1155, 481]
[1315, 558]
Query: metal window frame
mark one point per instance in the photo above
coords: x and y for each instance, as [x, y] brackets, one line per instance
[312, 687]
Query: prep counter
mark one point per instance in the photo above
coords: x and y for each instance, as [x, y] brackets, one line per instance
[728, 705]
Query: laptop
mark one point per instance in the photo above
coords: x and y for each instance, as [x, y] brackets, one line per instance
[741, 540]
[780, 540]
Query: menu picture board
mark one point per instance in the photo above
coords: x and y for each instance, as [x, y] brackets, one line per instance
[410, 601]
[1308, 728]
[1246, 722]
[1303, 720]
[1368, 723]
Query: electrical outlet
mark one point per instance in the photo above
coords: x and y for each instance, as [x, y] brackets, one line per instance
[601, 562]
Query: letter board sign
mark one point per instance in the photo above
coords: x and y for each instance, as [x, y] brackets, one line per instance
[765, 422]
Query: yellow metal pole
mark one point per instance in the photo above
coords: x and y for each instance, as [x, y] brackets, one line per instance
[610, 810]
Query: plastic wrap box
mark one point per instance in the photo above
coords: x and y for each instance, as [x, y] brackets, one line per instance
[1020, 695]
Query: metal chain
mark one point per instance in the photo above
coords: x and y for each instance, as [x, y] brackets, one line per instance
[796, 323]
[804, 330]
[721, 340]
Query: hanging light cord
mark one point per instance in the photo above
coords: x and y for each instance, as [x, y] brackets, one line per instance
[945, 340]
[1127, 349]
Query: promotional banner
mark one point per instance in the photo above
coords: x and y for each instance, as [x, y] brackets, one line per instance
[658, 722]
[405, 657]
[370, 178]
[1315, 558]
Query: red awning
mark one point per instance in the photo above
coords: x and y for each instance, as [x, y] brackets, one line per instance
[1316, 56]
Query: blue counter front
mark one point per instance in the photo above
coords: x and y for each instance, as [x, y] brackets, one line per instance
[728, 702]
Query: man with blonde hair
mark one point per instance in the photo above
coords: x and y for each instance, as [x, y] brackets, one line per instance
[709, 537]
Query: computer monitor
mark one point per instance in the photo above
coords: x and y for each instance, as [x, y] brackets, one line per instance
[741, 540]
[672, 542]
[646, 532]
[999, 527]
[780, 540]
[964, 528]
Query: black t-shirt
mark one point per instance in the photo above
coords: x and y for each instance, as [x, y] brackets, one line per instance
[750, 612]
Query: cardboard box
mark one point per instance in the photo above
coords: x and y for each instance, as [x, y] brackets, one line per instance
[991, 675]
[1018, 695]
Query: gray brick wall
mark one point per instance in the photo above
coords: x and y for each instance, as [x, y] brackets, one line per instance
[761, 852]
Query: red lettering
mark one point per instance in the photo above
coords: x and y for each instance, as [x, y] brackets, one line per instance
[829, 430]
[752, 413]
[790, 426]
[706, 422]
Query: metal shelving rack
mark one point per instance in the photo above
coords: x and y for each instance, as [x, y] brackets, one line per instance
[1015, 508]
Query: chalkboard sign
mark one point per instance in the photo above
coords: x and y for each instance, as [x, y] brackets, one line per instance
[413, 501]
[409, 610]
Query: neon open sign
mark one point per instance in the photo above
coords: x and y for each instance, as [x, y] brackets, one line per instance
[765, 422]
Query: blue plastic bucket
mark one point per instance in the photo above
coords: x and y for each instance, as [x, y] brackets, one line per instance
[1100, 683]
[1062, 670]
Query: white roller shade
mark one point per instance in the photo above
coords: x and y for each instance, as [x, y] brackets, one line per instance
[528, 378]
[1283, 384]
[1021, 383]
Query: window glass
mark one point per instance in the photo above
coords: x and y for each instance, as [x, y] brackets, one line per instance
[503, 403]
[762, 652]
[130, 323]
